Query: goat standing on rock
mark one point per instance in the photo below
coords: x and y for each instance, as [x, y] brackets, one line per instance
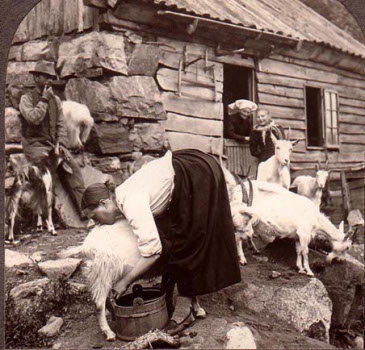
[195, 236]
[276, 168]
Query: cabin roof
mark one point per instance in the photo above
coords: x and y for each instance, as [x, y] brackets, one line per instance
[290, 18]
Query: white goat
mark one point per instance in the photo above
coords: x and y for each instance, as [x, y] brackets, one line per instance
[312, 187]
[114, 251]
[78, 122]
[276, 168]
[295, 216]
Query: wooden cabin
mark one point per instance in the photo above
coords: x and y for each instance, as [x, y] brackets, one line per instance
[202, 55]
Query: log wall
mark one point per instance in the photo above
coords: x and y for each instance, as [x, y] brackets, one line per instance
[281, 89]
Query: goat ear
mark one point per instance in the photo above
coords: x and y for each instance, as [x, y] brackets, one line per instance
[295, 142]
[341, 227]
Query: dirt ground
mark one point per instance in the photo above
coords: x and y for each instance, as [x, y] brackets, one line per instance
[81, 331]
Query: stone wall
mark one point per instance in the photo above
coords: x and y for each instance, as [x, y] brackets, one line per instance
[110, 72]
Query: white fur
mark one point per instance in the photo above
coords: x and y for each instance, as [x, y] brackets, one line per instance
[295, 216]
[114, 251]
[78, 122]
[312, 187]
[276, 168]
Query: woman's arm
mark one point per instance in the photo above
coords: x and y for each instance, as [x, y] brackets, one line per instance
[143, 264]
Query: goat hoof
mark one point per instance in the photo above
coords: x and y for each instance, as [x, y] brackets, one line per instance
[39, 228]
[110, 336]
[243, 262]
[302, 272]
[310, 274]
[54, 233]
[200, 313]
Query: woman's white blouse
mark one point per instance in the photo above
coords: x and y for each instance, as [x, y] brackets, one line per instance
[144, 195]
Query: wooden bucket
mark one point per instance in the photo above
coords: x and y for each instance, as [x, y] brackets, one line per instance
[139, 312]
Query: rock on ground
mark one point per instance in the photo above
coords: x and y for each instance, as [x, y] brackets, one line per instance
[307, 307]
[13, 258]
[52, 327]
[240, 337]
[59, 269]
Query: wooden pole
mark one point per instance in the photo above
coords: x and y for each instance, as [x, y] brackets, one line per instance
[345, 193]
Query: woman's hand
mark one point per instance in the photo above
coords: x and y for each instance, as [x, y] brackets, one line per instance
[120, 288]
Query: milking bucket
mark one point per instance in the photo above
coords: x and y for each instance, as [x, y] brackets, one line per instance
[138, 312]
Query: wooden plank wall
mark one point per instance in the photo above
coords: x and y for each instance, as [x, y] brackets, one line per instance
[54, 18]
[195, 119]
[281, 89]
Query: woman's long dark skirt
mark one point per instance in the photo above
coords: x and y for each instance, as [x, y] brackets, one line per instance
[196, 231]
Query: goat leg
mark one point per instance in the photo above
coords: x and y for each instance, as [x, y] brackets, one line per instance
[241, 255]
[103, 323]
[47, 180]
[298, 248]
[13, 210]
[39, 221]
[198, 311]
[253, 245]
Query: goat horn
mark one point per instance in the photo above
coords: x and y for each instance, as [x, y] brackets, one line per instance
[350, 233]
[288, 137]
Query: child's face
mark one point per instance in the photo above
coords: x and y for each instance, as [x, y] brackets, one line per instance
[263, 118]
[104, 213]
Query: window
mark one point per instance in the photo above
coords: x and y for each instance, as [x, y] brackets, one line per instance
[238, 84]
[322, 117]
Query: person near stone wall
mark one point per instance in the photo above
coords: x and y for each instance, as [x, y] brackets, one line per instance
[44, 132]
[178, 207]
[261, 145]
[238, 124]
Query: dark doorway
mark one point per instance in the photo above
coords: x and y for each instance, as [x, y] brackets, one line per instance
[238, 84]
[314, 116]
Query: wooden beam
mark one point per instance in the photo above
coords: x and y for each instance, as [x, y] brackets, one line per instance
[283, 91]
[204, 143]
[96, 3]
[280, 100]
[192, 106]
[197, 126]
[345, 193]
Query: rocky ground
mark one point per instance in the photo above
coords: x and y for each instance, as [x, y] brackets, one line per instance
[282, 309]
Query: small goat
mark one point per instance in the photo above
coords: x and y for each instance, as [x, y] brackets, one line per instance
[32, 185]
[114, 252]
[295, 216]
[78, 122]
[276, 168]
[312, 187]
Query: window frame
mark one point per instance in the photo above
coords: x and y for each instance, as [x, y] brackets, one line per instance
[326, 143]
[324, 140]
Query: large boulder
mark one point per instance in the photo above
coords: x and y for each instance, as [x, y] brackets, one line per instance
[13, 125]
[109, 138]
[148, 136]
[60, 269]
[344, 281]
[134, 97]
[38, 50]
[13, 258]
[304, 305]
[95, 49]
[27, 295]
[63, 204]
[144, 60]
[18, 74]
